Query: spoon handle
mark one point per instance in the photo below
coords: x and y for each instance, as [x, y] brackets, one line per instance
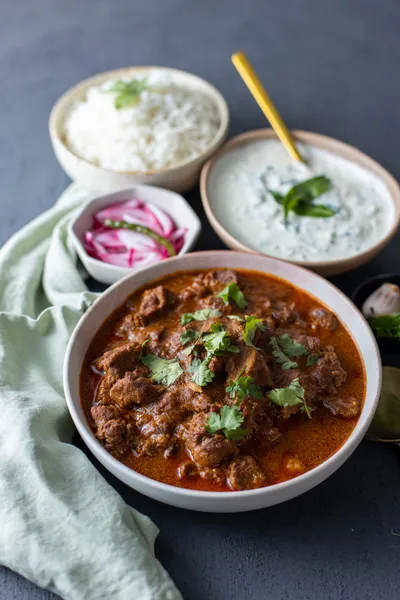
[263, 100]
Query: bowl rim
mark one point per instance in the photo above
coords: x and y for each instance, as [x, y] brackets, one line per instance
[194, 232]
[324, 142]
[56, 118]
[121, 470]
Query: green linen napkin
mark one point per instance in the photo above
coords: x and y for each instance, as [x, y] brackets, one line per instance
[61, 524]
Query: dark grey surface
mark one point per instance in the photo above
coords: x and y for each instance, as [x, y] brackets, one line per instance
[332, 67]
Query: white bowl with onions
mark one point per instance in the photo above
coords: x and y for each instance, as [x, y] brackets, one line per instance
[119, 233]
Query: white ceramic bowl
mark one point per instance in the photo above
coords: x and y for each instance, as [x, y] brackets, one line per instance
[174, 204]
[324, 267]
[223, 501]
[179, 178]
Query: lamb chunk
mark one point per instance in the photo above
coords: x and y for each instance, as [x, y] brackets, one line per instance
[215, 474]
[349, 407]
[119, 359]
[325, 376]
[235, 329]
[131, 390]
[284, 314]
[321, 318]
[217, 280]
[153, 302]
[249, 362]
[116, 434]
[197, 289]
[216, 364]
[187, 469]
[206, 450]
[294, 466]
[207, 283]
[245, 473]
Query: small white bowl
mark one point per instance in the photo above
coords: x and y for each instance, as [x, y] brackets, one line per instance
[174, 204]
[223, 501]
[179, 178]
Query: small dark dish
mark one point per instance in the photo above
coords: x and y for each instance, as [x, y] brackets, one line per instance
[364, 290]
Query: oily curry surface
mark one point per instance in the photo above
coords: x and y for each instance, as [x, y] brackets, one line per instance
[222, 380]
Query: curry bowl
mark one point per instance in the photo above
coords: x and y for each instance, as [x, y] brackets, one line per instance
[224, 179]
[224, 501]
[178, 177]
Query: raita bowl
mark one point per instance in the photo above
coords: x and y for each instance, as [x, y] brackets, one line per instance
[238, 501]
[336, 147]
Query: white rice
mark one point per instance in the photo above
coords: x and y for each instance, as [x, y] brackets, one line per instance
[170, 124]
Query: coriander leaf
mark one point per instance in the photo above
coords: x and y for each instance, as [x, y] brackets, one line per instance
[251, 326]
[317, 211]
[386, 326]
[233, 292]
[312, 359]
[280, 356]
[228, 421]
[163, 371]
[235, 318]
[290, 346]
[290, 396]
[189, 336]
[218, 340]
[128, 92]
[201, 373]
[242, 387]
[200, 315]
[213, 423]
[142, 345]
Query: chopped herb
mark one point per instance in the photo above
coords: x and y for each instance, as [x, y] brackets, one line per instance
[200, 315]
[162, 370]
[218, 340]
[227, 420]
[243, 386]
[290, 396]
[236, 318]
[387, 326]
[251, 326]
[301, 196]
[142, 345]
[189, 336]
[283, 347]
[233, 292]
[202, 375]
[128, 92]
[312, 359]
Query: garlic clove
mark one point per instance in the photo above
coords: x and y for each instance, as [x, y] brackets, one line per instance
[383, 301]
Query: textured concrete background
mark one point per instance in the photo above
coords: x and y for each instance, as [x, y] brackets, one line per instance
[332, 67]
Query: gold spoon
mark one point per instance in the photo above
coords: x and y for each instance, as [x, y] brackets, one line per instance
[263, 100]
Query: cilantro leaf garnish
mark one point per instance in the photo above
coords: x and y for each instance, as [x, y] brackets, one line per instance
[218, 340]
[128, 92]
[200, 315]
[386, 326]
[233, 292]
[163, 371]
[243, 386]
[283, 347]
[312, 359]
[227, 420]
[301, 196]
[202, 375]
[236, 318]
[290, 396]
[250, 328]
[189, 336]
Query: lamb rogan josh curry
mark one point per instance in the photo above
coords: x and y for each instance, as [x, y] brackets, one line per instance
[222, 381]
